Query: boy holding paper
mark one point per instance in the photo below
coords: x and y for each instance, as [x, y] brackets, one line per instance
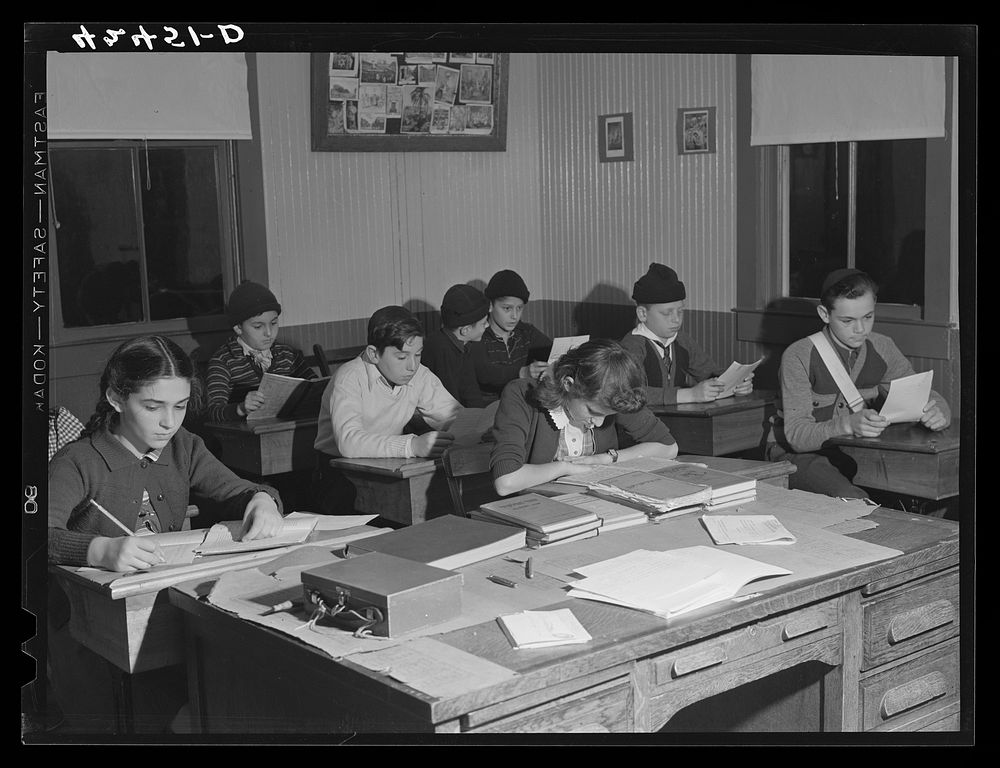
[677, 369]
[829, 381]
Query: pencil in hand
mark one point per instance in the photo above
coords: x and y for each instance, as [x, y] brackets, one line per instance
[112, 518]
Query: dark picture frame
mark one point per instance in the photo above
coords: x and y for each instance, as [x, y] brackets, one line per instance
[614, 137]
[695, 130]
[391, 109]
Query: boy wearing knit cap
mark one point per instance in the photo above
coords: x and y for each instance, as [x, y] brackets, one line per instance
[816, 371]
[677, 369]
[447, 352]
[235, 370]
[510, 348]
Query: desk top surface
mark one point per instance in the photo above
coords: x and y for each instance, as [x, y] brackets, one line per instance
[619, 634]
[914, 438]
[264, 426]
[759, 398]
[401, 468]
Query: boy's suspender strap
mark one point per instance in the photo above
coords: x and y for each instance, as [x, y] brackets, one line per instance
[836, 368]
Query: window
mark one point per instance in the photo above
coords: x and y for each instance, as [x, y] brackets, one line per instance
[858, 204]
[143, 235]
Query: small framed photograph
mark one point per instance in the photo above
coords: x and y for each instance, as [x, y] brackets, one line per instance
[343, 88]
[614, 137]
[695, 130]
[371, 98]
[335, 118]
[479, 119]
[394, 100]
[378, 68]
[439, 119]
[476, 83]
[343, 65]
[427, 75]
[446, 85]
[407, 74]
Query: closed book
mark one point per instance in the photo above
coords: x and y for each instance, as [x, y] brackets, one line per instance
[535, 544]
[722, 483]
[612, 514]
[446, 542]
[656, 491]
[536, 512]
[565, 533]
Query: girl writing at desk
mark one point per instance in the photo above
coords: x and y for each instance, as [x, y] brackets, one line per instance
[568, 419]
[136, 461]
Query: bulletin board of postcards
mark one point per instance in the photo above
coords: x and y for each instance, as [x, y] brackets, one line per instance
[402, 102]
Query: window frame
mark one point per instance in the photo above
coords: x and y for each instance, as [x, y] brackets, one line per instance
[764, 311]
[225, 165]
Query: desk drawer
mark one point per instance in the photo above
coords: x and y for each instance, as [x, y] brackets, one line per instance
[910, 618]
[791, 630]
[909, 695]
[602, 708]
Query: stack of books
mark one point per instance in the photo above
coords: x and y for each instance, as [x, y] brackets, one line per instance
[728, 490]
[612, 514]
[544, 520]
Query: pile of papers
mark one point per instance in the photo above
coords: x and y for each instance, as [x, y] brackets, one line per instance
[747, 529]
[612, 515]
[670, 583]
[728, 489]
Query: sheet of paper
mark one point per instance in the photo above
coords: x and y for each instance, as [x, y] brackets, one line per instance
[563, 344]
[543, 629]
[433, 667]
[470, 424]
[276, 390]
[222, 539]
[907, 397]
[747, 529]
[735, 374]
[331, 522]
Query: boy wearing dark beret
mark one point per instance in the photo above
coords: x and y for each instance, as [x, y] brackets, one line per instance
[510, 348]
[677, 369]
[236, 368]
[447, 351]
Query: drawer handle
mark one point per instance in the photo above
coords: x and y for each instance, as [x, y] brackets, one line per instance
[913, 694]
[923, 619]
[688, 664]
[803, 626]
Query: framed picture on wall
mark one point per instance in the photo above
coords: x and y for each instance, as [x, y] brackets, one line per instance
[409, 102]
[696, 130]
[614, 137]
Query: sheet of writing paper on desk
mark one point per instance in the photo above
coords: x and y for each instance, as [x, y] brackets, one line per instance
[907, 397]
[433, 667]
[223, 538]
[816, 552]
[747, 529]
[330, 522]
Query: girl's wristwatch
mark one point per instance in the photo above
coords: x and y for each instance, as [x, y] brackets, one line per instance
[613, 453]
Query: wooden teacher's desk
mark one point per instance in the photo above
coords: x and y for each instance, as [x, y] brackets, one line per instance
[875, 644]
[907, 459]
[266, 447]
[721, 427]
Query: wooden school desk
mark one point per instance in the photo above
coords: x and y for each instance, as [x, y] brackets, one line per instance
[879, 641]
[266, 447]
[907, 459]
[402, 490]
[737, 423]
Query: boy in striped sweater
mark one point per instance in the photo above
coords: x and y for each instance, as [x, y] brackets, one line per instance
[236, 368]
[814, 408]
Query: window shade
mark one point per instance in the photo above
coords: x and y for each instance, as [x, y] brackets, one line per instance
[147, 95]
[807, 99]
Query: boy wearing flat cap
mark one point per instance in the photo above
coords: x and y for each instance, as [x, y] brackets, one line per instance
[236, 368]
[510, 348]
[830, 384]
[677, 369]
[447, 351]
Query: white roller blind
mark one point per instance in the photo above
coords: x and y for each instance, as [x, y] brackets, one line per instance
[805, 99]
[147, 95]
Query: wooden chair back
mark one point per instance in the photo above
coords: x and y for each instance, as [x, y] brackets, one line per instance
[462, 462]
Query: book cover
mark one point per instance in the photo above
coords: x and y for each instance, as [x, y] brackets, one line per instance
[537, 512]
[565, 533]
[446, 542]
[612, 514]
